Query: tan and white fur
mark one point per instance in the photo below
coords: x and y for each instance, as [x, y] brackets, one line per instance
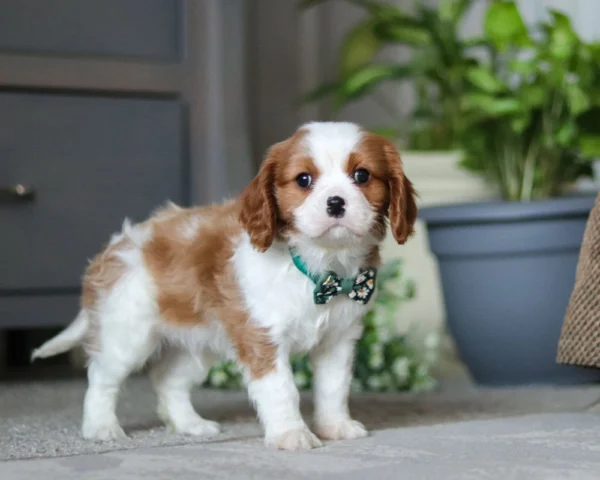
[188, 287]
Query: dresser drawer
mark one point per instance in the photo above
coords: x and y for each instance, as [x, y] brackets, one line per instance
[145, 29]
[91, 161]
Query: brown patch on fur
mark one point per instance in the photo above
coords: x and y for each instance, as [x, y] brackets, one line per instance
[388, 189]
[101, 275]
[376, 190]
[196, 282]
[289, 194]
[103, 272]
[268, 201]
[373, 258]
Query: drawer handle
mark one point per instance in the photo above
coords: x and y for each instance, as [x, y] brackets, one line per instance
[17, 194]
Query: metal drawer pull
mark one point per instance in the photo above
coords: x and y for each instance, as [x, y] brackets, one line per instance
[16, 193]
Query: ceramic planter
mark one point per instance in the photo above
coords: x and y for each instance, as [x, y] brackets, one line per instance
[507, 272]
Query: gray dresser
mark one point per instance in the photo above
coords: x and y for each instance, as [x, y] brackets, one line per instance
[107, 109]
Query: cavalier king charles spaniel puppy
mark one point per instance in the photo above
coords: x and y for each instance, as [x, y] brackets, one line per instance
[288, 267]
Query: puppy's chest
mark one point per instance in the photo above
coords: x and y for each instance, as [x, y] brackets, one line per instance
[286, 306]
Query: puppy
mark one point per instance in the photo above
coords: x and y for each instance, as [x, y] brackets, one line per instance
[288, 267]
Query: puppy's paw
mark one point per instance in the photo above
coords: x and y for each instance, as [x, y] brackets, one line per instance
[199, 427]
[341, 430]
[298, 439]
[103, 432]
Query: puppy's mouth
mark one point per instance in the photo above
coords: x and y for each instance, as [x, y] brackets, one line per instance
[338, 229]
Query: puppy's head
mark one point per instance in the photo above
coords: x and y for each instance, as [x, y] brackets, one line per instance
[332, 184]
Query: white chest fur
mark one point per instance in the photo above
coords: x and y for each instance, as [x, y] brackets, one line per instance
[279, 297]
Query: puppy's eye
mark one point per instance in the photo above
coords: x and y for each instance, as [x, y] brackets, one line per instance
[304, 180]
[361, 176]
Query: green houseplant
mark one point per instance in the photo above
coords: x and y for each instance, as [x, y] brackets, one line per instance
[522, 105]
[507, 268]
[437, 69]
[528, 109]
[385, 360]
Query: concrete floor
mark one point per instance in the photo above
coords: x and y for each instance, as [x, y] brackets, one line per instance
[459, 432]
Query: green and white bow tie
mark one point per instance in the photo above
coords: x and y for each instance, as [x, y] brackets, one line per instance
[329, 284]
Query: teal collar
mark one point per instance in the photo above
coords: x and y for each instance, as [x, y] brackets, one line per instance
[329, 284]
[300, 265]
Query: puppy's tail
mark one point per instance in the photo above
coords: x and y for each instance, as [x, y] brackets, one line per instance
[70, 337]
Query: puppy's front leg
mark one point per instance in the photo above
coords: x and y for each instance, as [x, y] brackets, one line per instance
[332, 372]
[278, 404]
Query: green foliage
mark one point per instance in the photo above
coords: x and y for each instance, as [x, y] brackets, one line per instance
[504, 26]
[525, 107]
[440, 61]
[522, 103]
[384, 361]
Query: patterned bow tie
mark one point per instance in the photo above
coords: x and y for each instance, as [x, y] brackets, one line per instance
[329, 284]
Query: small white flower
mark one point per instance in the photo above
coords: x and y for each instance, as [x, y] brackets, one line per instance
[377, 348]
[401, 369]
[361, 278]
[572, 78]
[374, 382]
[300, 379]
[380, 318]
[352, 294]
[218, 378]
[422, 371]
[432, 341]
[424, 385]
[384, 333]
[376, 360]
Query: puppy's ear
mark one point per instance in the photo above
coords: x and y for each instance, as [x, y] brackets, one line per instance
[258, 213]
[403, 206]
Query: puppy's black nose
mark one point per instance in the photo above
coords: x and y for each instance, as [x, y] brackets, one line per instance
[335, 206]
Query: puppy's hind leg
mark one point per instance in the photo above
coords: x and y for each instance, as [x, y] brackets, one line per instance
[122, 351]
[175, 374]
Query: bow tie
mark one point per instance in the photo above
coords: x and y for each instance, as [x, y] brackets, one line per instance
[329, 284]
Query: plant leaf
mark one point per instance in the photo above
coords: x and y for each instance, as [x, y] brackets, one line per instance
[566, 134]
[452, 11]
[504, 26]
[475, 43]
[563, 38]
[590, 146]
[321, 92]
[577, 99]
[359, 47]
[403, 30]
[389, 132]
[490, 105]
[367, 77]
[524, 67]
[483, 78]
[520, 123]
[533, 95]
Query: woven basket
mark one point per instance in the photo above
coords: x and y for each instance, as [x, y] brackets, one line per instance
[580, 337]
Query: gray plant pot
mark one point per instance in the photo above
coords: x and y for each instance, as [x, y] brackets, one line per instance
[507, 272]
